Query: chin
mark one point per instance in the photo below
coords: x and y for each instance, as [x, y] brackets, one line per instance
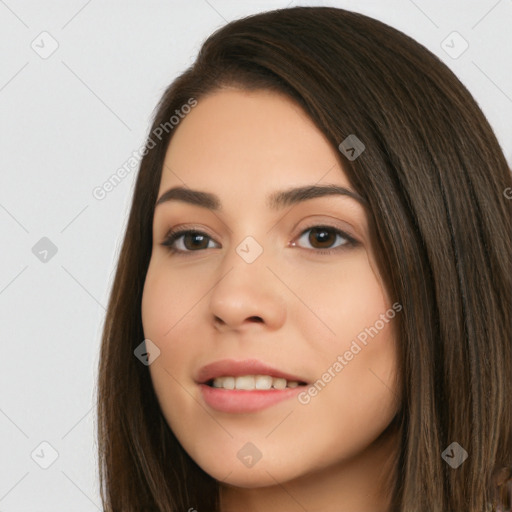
[260, 475]
[247, 479]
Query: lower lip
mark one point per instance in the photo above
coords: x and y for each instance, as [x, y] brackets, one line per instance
[239, 401]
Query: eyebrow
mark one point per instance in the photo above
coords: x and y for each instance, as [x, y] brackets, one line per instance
[275, 201]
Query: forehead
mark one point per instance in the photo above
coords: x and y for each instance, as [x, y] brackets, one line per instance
[250, 140]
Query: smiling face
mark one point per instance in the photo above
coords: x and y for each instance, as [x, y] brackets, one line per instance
[292, 284]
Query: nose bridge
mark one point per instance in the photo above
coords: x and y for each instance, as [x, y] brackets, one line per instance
[246, 288]
[250, 249]
[249, 237]
[246, 261]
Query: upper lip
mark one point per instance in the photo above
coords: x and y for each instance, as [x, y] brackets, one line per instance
[233, 368]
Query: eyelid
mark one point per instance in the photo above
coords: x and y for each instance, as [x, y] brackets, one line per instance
[332, 224]
[188, 227]
[176, 233]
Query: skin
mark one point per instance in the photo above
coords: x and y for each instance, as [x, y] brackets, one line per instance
[333, 453]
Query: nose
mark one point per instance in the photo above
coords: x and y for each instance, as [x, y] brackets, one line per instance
[247, 295]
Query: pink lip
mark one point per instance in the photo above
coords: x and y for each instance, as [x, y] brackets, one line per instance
[230, 367]
[240, 401]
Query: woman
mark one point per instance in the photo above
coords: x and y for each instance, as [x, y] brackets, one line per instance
[312, 306]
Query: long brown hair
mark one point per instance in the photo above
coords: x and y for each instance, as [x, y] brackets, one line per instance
[434, 176]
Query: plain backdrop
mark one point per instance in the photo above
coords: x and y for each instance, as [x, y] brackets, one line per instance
[78, 84]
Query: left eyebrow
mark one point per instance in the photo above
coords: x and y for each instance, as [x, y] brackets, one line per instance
[275, 201]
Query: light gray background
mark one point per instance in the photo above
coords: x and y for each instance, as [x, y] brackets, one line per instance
[68, 122]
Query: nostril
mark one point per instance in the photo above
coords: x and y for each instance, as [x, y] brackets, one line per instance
[219, 321]
[256, 318]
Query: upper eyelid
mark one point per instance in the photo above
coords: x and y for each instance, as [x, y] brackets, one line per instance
[318, 220]
[199, 229]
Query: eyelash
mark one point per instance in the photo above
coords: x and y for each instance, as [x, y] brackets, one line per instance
[174, 235]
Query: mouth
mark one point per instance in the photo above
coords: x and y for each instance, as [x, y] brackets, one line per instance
[246, 386]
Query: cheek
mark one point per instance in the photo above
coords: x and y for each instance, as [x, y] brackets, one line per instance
[167, 306]
[356, 390]
[354, 400]
[171, 309]
[166, 300]
[347, 299]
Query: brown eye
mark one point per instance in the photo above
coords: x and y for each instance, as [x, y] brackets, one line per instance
[195, 240]
[324, 237]
[188, 240]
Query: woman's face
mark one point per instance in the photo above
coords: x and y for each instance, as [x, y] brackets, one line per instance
[289, 284]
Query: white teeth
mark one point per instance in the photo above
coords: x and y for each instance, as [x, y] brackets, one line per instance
[245, 382]
[263, 382]
[229, 383]
[279, 383]
[252, 382]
